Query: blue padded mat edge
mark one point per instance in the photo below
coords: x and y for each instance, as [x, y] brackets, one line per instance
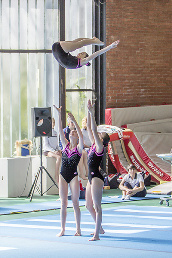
[43, 206]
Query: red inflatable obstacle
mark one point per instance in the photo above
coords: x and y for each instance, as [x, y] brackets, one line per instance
[132, 150]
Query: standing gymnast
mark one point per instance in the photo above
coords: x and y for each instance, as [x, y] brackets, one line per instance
[61, 52]
[71, 154]
[95, 183]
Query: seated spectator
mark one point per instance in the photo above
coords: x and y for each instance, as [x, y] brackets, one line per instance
[132, 185]
[51, 149]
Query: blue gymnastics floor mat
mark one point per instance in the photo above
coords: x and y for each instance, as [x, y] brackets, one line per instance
[130, 231]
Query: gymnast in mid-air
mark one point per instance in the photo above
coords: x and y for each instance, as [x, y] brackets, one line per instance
[61, 51]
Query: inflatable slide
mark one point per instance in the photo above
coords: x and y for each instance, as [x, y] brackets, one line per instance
[141, 134]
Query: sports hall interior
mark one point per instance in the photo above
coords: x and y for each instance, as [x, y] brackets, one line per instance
[131, 86]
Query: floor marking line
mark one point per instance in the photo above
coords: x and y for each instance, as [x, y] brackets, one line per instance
[142, 211]
[7, 248]
[134, 216]
[69, 228]
[103, 224]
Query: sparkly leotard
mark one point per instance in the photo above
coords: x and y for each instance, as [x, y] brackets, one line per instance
[70, 160]
[65, 59]
[94, 160]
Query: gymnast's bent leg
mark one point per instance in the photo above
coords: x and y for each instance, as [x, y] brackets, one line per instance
[69, 46]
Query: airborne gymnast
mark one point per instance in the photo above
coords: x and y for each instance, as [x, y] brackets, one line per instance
[61, 51]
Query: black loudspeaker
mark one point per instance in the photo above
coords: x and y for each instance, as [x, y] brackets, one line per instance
[41, 122]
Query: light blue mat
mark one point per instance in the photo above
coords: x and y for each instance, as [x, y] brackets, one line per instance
[130, 231]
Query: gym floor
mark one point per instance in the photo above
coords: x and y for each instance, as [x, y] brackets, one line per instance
[132, 228]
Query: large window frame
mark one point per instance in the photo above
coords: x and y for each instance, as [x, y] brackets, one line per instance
[27, 67]
[54, 88]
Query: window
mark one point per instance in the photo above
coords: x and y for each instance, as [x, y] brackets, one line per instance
[28, 72]
[79, 82]
[29, 75]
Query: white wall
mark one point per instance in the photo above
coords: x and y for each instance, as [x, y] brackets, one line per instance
[17, 175]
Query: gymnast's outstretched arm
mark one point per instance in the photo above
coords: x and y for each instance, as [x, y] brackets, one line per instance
[84, 61]
[97, 140]
[62, 136]
[80, 144]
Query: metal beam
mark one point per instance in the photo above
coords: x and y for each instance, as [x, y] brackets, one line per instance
[100, 63]
[62, 80]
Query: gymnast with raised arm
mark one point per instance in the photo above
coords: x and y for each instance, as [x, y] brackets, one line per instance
[95, 183]
[71, 154]
[61, 52]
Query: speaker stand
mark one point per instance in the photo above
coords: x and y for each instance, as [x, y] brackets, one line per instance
[39, 173]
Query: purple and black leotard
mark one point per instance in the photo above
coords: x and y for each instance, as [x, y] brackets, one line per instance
[94, 160]
[70, 160]
[65, 59]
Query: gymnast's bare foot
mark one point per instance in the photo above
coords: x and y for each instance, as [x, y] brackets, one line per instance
[94, 238]
[101, 232]
[61, 233]
[98, 42]
[78, 233]
[114, 44]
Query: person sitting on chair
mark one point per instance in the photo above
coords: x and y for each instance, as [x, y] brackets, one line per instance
[132, 185]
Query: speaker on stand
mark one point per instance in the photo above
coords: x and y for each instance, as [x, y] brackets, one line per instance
[41, 127]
